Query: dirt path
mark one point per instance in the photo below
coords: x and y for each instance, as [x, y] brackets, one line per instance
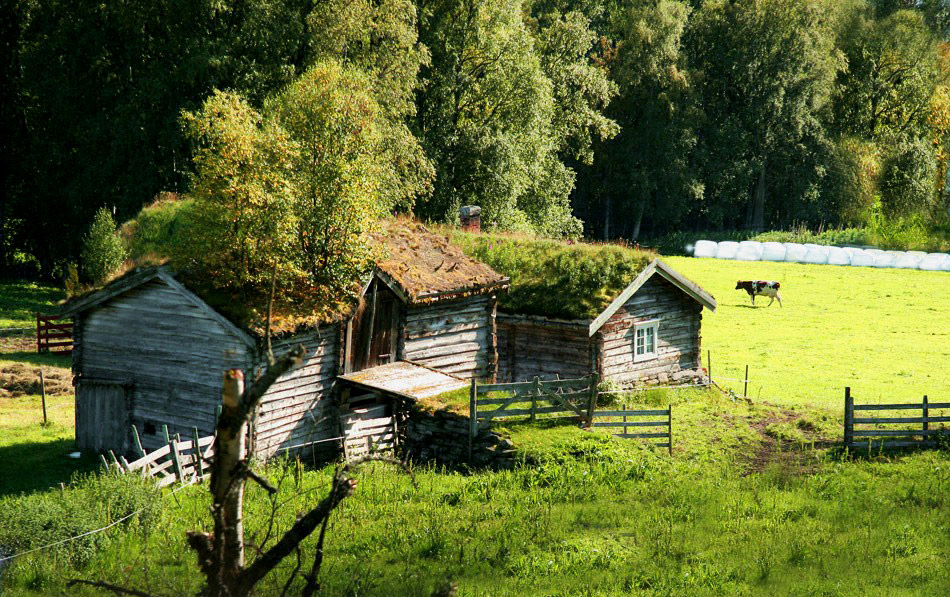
[775, 449]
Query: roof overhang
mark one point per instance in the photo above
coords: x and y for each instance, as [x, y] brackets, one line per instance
[656, 267]
[136, 279]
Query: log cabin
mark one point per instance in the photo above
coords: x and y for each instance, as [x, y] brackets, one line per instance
[650, 333]
[150, 352]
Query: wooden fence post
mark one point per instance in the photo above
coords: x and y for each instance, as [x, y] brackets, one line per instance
[168, 440]
[39, 345]
[709, 365]
[848, 418]
[472, 418]
[625, 419]
[745, 386]
[594, 382]
[669, 420]
[43, 390]
[926, 424]
[199, 473]
[176, 460]
[138, 441]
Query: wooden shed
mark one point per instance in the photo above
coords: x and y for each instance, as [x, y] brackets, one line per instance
[151, 353]
[649, 333]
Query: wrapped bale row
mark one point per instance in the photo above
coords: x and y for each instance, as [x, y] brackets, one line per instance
[822, 254]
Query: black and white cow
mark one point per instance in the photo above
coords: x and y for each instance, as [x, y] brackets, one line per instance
[761, 288]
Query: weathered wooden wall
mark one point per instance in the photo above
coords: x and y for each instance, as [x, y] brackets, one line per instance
[678, 335]
[297, 410]
[168, 352]
[529, 346]
[454, 337]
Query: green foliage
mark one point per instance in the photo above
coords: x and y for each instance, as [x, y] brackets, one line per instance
[333, 118]
[486, 119]
[242, 225]
[90, 502]
[102, 251]
[907, 179]
[555, 278]
[158, 228]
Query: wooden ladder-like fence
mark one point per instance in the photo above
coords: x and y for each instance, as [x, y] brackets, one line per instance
[176, 461]
[52, 336]
[878, 438]
[666, 420]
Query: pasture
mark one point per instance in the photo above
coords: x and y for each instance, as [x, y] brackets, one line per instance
[884, 332]
[756, 500]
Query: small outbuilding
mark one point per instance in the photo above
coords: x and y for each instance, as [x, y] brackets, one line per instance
[150, 352]
[573, 309]
[649, 333]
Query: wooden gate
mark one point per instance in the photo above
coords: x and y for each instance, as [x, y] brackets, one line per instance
[102, 417]
[368, 429]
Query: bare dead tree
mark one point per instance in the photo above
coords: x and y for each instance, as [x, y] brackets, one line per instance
[221, 553]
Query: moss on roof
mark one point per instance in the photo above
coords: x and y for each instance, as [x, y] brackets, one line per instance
[424, 263]
[559, 279]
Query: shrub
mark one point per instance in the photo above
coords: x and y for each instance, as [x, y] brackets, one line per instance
[102, 251]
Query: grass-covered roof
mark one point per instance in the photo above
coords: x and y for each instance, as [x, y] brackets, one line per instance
[552, 278]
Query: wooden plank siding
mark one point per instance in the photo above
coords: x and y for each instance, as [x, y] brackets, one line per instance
[678, 334]
[168, 352]
[297, 410]
[531, 346]
[454, 337]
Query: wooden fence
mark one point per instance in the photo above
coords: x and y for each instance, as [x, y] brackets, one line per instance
[902, 438]
[575, 397]
[367, 430]
[176, 461]
[52, 336]
[665, 421]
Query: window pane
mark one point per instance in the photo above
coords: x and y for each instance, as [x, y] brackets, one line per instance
[651, 340]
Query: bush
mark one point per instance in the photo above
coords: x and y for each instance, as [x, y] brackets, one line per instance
[90, 502]
[102, 252]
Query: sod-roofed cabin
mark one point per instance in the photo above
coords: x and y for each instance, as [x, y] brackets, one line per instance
[574, 309]
[150, 352]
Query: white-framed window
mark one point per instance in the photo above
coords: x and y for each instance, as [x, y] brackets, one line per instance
[645, 340]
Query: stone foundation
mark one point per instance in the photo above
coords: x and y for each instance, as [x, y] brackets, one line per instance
[442, 437]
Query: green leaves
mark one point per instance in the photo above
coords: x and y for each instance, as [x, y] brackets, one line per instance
[102, 252]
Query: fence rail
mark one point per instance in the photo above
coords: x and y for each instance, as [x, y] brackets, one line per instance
[865, 438]
[572, 397]
[624, 424]
[52, 336]
[176, 461]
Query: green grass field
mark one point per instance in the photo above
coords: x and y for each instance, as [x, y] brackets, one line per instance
[756, 500]
[883, 332]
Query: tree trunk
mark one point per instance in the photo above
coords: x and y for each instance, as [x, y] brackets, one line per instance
[638, 219]
[757, 220]
[227, 488]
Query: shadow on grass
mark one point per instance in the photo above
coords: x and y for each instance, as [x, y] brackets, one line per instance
[37, 466]
[38, 358]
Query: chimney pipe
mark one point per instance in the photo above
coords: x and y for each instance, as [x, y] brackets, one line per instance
[471, 218]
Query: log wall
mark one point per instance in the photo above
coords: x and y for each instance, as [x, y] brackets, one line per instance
[454, 337]
[529, 346]
[168, 352]
[297, 410]
[678, 336]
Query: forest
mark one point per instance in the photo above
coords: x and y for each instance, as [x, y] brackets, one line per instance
[607, 119]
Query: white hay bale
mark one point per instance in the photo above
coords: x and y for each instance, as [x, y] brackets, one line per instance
[861, 257]
[816, 254]
[749, 250]
[907, 261]
[838, 256]
[931, 261]
[795, 252]
[773, 252]
[883, 259]
[727, 250]
[705, 248]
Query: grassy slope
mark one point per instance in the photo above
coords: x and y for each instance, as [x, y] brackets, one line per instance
[19, 302]
[884, 332]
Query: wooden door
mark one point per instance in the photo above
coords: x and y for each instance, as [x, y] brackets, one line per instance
[102, 417]
[372, 333]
